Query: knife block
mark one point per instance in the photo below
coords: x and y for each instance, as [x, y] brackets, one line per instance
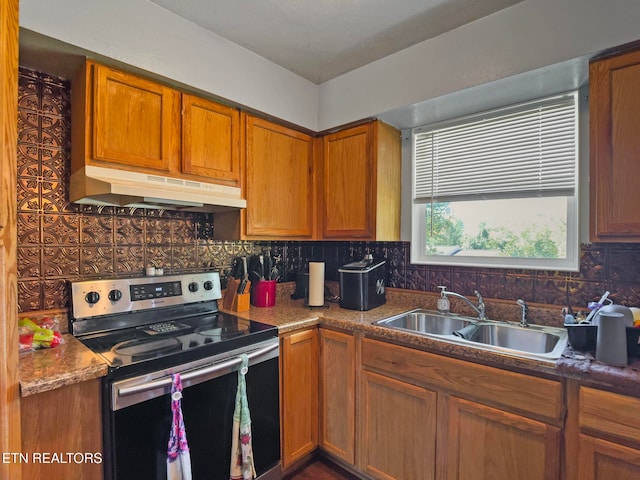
[238, 302]
[241, 303]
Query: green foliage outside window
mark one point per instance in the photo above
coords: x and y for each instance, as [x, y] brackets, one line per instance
[446, 236]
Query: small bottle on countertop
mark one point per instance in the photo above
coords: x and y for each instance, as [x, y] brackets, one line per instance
[443, 302]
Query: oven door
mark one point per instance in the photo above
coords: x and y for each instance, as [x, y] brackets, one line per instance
[138, 419]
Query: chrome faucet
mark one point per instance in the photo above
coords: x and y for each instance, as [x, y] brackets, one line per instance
[480, 309]
[525, 309]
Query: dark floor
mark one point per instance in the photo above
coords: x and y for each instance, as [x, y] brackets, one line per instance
[320, 469]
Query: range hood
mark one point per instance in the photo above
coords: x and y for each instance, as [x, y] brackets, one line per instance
[93, 185]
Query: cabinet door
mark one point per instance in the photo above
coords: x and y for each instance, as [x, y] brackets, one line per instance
[279, 188]
[614, 105]
[66, 421]
[337, 394]
[603, 460]
[299, 399]
[397, 424]
[487, 443]
[210, 140]
[349, 182]
[135, 122]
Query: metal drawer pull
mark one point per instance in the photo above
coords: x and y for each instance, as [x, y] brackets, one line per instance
[123, 392]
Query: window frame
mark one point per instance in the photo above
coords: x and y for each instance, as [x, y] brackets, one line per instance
[418, 220]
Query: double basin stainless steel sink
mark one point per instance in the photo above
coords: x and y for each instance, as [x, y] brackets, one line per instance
[533, 341]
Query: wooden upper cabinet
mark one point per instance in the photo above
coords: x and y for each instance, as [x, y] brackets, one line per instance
[361, 183]
[210, 140]
[279, 181]
[614, 104]
[129, 121]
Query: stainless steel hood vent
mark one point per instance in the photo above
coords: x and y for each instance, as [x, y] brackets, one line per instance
[120, 188]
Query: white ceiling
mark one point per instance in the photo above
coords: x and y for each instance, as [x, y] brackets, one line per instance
[322, 39]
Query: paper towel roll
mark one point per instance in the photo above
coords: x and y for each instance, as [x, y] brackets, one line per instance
[316, 284]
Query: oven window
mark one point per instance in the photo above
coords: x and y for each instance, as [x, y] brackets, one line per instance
[141, 432]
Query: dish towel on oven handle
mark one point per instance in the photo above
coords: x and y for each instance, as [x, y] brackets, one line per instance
[242, 467]
[178, 459]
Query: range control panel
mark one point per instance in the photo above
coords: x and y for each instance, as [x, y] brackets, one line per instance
[155, 290]
[92, 298]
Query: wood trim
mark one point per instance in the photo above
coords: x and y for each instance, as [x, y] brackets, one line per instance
[10, 438]
[345, 126]
[571, 432]
[388, 144]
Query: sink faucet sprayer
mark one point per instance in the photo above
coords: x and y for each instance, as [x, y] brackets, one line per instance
[525, 309]
[480, 309]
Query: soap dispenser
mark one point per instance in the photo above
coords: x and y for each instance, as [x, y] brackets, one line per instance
[443, 302]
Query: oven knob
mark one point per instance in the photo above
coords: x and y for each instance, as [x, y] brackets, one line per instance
[193, 287]
[92, 297]
[115, 295]
[208, 285]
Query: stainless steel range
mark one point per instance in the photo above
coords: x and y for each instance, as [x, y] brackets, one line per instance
[152, 327]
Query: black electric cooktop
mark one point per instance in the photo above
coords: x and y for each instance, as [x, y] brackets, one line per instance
[181, 340]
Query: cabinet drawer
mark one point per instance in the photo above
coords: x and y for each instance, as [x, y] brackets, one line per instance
[540, 397]
[609, 413]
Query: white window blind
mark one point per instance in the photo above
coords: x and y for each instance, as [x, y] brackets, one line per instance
[525, 150]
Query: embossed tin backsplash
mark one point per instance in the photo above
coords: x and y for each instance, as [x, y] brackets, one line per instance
[59, 241]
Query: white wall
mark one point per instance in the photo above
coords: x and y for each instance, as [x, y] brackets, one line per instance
[141, 33]
[527, 36]
[530, 35]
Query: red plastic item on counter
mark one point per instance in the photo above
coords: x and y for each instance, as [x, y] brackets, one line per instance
[264, 293]
[41, 333]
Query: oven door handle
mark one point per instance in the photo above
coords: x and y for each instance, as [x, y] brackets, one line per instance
[225, 364]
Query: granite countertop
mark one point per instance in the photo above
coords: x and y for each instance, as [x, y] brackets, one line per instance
[290, 315]
[68, 363]
[71, 362]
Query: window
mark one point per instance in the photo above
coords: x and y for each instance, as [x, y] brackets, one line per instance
[499, 188]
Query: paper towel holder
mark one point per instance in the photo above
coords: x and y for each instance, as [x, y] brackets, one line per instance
[327, 294]
[316, 293]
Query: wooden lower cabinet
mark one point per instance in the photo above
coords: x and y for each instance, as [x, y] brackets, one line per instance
[607, 435]
[337, 394]
[424, 415]
[604, 460]
[489, 443]
[65, 422]
[397, 429]
[298, 395]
